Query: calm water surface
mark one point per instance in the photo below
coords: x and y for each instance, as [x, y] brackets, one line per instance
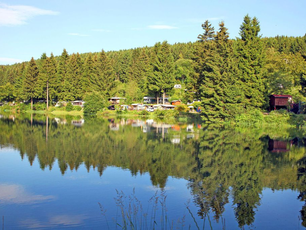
[69, 173]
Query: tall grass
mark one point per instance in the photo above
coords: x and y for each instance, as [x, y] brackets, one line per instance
[133, 215]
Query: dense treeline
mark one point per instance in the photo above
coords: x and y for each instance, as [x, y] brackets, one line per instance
[219, 164]
[230, 76]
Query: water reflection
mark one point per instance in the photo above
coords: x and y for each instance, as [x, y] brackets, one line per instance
[222, 166]
[16, 194]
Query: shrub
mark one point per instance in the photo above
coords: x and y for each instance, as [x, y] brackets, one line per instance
[144, 113]
[160, 113]
[69, 107]
[77, 108]
[94, 102]
[24, 107]
[251, 118]
[39, 106]
[182, 108]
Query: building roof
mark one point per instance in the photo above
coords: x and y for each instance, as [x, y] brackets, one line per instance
[278, 95]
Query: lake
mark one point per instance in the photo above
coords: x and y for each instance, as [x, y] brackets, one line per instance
[73, 173]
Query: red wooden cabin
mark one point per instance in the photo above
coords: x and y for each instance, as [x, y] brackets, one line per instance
[276, 146]
[280, 101]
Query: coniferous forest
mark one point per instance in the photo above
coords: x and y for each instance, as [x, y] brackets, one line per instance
[229, 76]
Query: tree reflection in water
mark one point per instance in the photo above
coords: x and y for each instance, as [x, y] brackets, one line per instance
[217, 162]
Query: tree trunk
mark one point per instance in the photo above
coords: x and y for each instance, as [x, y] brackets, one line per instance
[164, 94]
[31, 103]
[47, 95]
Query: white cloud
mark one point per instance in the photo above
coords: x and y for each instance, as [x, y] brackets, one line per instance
[162, 27]
[77, 34]
[55, 221]
[16, 194]
[19, 14]
[8, 61]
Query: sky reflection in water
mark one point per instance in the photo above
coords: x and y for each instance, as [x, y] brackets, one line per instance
[231, 178]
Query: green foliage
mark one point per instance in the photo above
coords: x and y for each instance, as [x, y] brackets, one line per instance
[77, 108]
[162, 79]
[30, 83]
[69, 107]
[23, 107]
[230, 76]
[224, 167]
[94, 102]
[182, 108]
[166, 113]
[144, 113]
[39, 106]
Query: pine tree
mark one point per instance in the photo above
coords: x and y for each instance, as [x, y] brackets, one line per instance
[145, 69]
[214, 78]
[89, 78]
[209, 32]
[61, 75]
[251, 62]
[47, 78]
[162, 79]
[201, 51]
[30, 82]
[105, 75]
[74, 76]
[19, 82]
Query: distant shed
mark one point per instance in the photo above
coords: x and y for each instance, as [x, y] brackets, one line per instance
[280, 101]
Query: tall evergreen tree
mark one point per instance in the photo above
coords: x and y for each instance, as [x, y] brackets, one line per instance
[89, 78]
[19, 81]
[251, 62]
[162, 79]
[214, 78]
[47, 78]
[74, 76]
[209, 32]
[62, 75]
[30, 82]
[105, 75]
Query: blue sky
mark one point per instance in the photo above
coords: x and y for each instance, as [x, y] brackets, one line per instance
[29, 28]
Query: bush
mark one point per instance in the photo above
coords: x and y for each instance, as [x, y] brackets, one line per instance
[182, 108]
[94, 102]
[144, 113]
[24, 107]
[166, 113]
[77, 108]
[39, 106]
[69, 107]
[160, 113]
[252, 118]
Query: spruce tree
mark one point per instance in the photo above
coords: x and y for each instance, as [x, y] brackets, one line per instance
[62, 75]
[90, 74]
[162, 79]
[47, 78]
[145, 69]
[19, 82]
[214, 78]
[251, 62]
[74, 76]
[30, 82]
[209, 32]
[105, 74]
